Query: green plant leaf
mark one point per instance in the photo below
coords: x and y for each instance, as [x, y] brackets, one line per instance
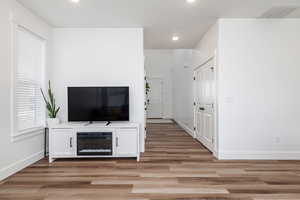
[50, 104]
[55, 114]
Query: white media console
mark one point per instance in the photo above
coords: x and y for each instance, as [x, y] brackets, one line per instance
[80, 140]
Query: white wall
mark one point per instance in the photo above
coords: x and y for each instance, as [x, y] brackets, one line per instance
[100, 57]
[15, 155]
[159, 64]
[183, 87]
[257, 86]
[258, 78]
[259, 99]
[183, 90]
[207, 46]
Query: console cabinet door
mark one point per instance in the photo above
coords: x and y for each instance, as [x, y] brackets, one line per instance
[62, 143]
[126, 142]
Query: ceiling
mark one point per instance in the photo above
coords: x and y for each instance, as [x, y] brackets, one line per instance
[161, 19]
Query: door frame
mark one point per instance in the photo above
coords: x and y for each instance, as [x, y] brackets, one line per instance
[213, 58]
[162, 96]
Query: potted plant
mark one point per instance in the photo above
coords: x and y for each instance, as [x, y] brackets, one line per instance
[51, 107]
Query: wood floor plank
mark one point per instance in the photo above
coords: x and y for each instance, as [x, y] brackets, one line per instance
[174, 167]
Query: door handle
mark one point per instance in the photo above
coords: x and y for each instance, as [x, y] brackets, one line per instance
[71, 142]
[201, 108]
[117, 142]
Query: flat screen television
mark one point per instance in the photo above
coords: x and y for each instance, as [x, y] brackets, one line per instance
[94, 104]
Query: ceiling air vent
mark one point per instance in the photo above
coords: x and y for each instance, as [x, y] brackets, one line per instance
[279, 12]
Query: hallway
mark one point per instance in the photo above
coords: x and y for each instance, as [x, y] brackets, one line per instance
[174, 166]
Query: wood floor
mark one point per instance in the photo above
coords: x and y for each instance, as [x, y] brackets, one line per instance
[174, 167]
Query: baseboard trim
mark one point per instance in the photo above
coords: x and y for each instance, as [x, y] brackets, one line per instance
[259, 155]
[19, 165]
[185, 127]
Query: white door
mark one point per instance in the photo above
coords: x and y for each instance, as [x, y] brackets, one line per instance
[155, 99]
[63, 143]
[126, 142]
[204, 104]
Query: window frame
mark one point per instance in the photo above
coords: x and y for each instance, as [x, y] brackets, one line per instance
[17, 135]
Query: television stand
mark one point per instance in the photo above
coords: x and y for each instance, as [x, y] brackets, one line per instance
[108, 123]
[64, 140]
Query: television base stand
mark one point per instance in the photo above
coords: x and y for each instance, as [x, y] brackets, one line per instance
[89, 123]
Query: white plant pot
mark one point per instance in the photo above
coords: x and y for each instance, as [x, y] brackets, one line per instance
[52, 122]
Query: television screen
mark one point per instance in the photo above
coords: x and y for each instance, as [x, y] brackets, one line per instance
[98, 104]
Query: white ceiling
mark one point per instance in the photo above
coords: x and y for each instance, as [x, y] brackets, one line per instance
[160, 18]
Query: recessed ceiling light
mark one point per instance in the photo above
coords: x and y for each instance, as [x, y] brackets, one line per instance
[75, 1]
[175, 38]
[190, 1]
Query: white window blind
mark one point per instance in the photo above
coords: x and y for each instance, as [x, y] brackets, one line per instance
[29, 78]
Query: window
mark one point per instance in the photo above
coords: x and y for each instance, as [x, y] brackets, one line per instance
[29, 108]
